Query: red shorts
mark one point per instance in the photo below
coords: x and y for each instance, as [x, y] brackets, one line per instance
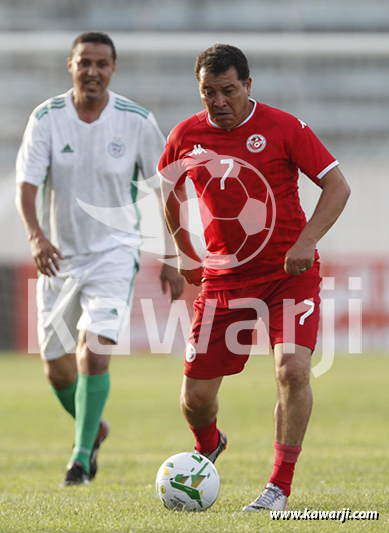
[223, 323]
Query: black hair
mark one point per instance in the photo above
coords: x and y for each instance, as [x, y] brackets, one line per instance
[221, 57]
[94, 37]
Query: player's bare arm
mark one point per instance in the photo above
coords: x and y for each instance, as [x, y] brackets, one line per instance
[334, 196]
[43, 252]
[169, 275]
[189, 263]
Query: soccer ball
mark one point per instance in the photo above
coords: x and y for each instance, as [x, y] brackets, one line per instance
[187, 482]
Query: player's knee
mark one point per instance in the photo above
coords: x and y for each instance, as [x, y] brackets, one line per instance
[93, 358]
[58, 378]
[92, 363]
[292, 376]
[196, 399]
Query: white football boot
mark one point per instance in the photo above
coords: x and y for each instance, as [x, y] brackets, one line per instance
[272, 498]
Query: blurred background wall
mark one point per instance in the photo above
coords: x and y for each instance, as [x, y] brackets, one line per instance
[325, 62]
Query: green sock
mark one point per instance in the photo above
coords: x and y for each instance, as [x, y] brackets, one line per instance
[66, 397]
[91, 395]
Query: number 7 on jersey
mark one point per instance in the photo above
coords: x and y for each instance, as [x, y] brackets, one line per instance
[230, 163]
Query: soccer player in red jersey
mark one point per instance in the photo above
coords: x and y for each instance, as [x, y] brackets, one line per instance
[243, 158]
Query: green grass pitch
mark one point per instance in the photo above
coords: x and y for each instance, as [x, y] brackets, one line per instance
[344, 461]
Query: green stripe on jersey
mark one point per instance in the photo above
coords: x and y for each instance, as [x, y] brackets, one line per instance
[134, 194]
[41, 205]
[39, 114]
[54, 103]
[129, 102]
[41, 111]
[122, 105]
[131, 111]
[129, 105]
[130, 290]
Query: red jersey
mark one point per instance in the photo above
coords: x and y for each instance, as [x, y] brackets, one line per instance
[246, 185]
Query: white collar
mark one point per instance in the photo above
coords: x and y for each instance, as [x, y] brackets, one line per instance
[239, 125]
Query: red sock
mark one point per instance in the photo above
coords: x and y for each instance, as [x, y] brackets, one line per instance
[207, 437]
[284, 463]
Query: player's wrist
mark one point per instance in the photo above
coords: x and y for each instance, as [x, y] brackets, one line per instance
[308, 239]
[35, 235]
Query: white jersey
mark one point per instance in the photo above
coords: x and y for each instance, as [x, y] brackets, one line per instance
[80, 165]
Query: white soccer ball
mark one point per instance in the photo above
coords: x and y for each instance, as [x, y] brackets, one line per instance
[187, 481]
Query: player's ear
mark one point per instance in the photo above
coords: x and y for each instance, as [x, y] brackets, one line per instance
[69, 63]
[248, 86]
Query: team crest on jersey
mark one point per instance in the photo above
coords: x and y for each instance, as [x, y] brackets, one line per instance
[116, 148]
[256, 143]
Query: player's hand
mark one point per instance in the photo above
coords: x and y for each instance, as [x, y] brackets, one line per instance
[299, 258]
[169, 276]
[191, 269]
[45, 255]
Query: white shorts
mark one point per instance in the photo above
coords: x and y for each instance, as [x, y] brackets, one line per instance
[92, 292]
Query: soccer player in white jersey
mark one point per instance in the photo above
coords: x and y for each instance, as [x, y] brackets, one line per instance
[86, 147]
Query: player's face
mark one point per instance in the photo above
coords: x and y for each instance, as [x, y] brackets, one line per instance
[225, 97]
[91, 67]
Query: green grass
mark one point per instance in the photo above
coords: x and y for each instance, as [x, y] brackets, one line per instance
[344, 461]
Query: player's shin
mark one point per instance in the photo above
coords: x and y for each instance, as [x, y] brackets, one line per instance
[91, 396]
[284, 463]
[66, 397]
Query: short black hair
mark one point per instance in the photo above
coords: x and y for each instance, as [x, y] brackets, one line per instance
[94, 37]
[221, 57]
